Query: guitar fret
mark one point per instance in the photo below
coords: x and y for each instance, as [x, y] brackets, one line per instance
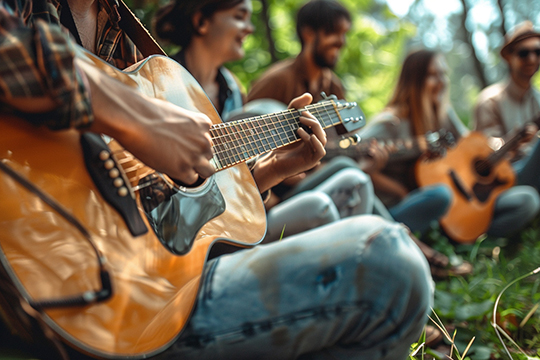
[281, 131]
[240, 149]
[257, 140]
[292, 126]
[265, 139]
[248, 139]
[241, 140]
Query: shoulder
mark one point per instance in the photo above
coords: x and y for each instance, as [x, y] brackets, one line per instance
[273, 81]
[384, 125]
[491, 93]
[385, 117]
[337, 85]
[230, 77]
[277, 70]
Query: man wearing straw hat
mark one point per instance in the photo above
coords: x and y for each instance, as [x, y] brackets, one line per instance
[506, 107]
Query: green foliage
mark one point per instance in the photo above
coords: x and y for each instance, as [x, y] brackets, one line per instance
[369, 64]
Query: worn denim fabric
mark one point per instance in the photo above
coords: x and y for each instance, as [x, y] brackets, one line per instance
[345, 193]
[528, 169]
[423, 206]
[358, 288]
[305, 211]
[514, 208]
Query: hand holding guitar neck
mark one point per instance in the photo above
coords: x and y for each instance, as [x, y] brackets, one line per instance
[295, 158]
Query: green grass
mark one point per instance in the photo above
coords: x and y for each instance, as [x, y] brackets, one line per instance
[468, 304]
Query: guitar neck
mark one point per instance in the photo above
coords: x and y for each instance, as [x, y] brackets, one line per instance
[241, 140]
[510, 145]
[398, 150]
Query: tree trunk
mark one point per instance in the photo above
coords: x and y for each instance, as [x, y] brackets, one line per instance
[269, 38]
[500, 5]
[479, 68]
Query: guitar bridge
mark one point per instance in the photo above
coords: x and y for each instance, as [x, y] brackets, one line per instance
[110, 180]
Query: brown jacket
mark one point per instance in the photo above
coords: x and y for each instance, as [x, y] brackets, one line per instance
[287, 79]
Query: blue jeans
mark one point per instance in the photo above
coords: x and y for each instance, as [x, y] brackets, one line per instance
[528, 168]
[358, 288]
[423, 206]
[341, 193]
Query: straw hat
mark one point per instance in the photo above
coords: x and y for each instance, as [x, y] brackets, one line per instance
[520, 32]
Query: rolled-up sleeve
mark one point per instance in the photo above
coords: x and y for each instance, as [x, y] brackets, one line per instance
[37, 61]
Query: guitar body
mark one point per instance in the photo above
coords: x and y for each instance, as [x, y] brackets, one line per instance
[474, 193]
[154, 289]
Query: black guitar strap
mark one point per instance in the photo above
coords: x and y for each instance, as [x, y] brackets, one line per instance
[132, 26]
[136, 31]
[66, 19]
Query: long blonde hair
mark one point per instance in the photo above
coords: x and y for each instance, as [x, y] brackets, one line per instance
[409, 98]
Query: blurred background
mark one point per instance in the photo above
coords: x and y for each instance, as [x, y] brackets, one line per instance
[468, 32]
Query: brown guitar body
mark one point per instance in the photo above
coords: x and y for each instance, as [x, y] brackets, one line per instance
[46, 257]
[474, 192]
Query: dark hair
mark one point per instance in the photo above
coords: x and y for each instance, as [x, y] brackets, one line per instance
[320, 14]
[410, 88]
[174, 22]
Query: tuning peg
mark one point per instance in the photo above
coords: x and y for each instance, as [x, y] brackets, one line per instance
[326, 97]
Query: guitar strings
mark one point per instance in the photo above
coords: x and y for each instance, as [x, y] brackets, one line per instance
[231, 149]
[241, 140]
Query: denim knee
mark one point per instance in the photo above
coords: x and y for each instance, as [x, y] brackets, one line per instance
[320, 208]
[440, 197]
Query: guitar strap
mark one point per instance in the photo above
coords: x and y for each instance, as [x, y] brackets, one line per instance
[131, 25]
[136, 31]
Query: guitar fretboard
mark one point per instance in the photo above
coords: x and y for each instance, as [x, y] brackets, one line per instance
[241, 140]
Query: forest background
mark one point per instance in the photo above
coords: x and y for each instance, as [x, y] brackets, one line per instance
[468, 32]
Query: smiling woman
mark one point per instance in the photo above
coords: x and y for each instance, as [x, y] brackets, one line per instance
[210, 33]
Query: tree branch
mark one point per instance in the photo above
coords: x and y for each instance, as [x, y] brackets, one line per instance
[479, 68]
[269, 38]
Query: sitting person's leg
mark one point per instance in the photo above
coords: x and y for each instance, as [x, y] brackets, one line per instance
[514, 209]
[302, 212]
[351, 190]
[422, 207]
[317, 177]
[528, 168]
[357, 288]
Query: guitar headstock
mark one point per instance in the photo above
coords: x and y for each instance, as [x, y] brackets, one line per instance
[352, 117]
[439, 141]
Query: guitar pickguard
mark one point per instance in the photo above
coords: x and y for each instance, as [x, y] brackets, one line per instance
[177, 214]
[483, 191]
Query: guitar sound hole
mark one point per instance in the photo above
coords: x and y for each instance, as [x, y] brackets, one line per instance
[197, 183]
[153, 195]
[482, 168]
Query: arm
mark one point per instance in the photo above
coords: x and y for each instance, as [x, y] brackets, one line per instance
[164, 136]
[376, 159]
[487, 119]
[43, 76]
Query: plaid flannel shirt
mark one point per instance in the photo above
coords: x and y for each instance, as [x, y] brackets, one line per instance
[36, 58]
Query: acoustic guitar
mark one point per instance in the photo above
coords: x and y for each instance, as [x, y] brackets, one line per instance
[109, 251]
[476, 175]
